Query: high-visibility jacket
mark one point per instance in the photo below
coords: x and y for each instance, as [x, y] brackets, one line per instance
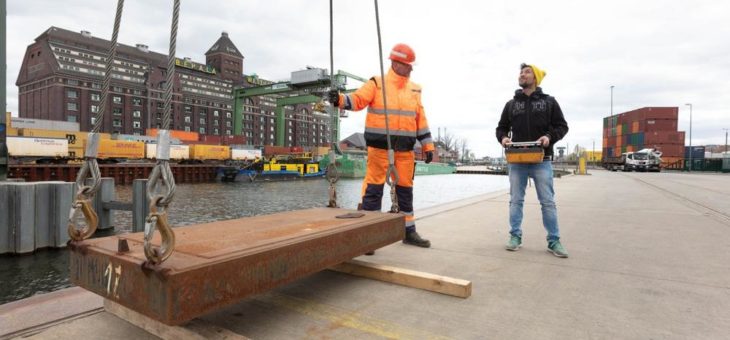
[406, 117]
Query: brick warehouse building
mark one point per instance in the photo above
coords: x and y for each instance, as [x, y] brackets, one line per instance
[61, 75]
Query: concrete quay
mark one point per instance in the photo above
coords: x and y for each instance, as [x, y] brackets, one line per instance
[649, 259]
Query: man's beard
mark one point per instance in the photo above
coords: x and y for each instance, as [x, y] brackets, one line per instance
[524, 85]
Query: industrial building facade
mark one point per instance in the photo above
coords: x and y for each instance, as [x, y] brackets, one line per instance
[62, 73]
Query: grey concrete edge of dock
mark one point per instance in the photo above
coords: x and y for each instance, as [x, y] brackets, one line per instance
[648, 260]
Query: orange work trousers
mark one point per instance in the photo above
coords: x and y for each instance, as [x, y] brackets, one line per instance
[372, 186]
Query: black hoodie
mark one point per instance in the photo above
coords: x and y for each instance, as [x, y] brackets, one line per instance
[531, 117]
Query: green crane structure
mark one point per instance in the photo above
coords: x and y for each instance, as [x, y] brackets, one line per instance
[290, 93]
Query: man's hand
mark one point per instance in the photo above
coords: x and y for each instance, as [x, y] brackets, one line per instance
[334, 97]
[544, 141]
[505, 141]
[429, 156]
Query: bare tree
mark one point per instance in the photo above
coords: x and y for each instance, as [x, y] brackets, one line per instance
[448, 142]
[464, 147]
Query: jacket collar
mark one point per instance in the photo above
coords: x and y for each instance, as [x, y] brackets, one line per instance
[398, 80]
[537, 94]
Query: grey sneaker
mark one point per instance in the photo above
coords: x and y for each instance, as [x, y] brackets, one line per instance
[557, 249]
[515, 242]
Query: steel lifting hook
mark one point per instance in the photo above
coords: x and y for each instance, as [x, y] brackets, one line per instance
[92, 220]
[158, 220]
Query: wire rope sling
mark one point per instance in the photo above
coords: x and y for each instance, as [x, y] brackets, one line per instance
[161, 175]
[90, 168]
[332, 174]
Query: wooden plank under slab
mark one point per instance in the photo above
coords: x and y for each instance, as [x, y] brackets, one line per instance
[195, 329]
[406, 277]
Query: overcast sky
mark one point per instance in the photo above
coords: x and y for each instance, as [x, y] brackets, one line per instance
[655, 53]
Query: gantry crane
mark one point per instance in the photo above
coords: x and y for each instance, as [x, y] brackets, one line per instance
[306, 86]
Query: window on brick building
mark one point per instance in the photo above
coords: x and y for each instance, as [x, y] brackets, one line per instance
[202, 130]
[117, 111]
[136, 124]
[187, 129]
[117, 122]
[202, 120]
[72, 106]
[137, 113]
[71, 118]
[117, 100]
[95, 97]
[187, 119]
[72, 94]
[137, 101]
[94, 108]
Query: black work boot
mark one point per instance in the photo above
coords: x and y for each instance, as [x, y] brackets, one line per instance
[414, 239]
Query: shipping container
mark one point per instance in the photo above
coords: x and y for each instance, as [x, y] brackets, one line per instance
[210, 139]
[120, 149]
[651, 125]
[297, 149]
[204, 152]
[139, 138]
[698, 152]
[668, 150]
[42, 124]
[75, 138]
[245, 154]
[179, 134]
[271, 150]
[233, 140]
[21, 147]
[664, 137]
[177, 152]
[667, 161]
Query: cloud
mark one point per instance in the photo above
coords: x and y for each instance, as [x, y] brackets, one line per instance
[655, 53]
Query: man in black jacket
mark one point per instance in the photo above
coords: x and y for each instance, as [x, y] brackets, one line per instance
[533, 116]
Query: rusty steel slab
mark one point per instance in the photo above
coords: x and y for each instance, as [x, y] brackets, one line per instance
[220, 263]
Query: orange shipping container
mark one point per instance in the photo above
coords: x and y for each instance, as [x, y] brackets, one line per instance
[109, 148]
[209, 152]
[179, 134]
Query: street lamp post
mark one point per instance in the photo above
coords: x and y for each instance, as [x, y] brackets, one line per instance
[690, 136]
[593, 153]
[611, 100]
[725, 140]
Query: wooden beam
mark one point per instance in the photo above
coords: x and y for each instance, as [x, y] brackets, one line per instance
[195, 329]
[405, 277]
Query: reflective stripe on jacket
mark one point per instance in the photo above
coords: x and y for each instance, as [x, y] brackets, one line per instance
[406, 117]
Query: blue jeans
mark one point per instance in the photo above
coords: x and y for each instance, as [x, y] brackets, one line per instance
[542, 174]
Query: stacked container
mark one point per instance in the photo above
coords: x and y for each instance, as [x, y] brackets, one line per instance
[647, 127]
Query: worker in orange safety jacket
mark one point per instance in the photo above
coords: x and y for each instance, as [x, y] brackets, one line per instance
[407, 123]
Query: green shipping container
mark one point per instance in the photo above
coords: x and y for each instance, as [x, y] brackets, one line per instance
[625, 129]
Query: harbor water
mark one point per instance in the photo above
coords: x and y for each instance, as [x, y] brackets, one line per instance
[46, 270]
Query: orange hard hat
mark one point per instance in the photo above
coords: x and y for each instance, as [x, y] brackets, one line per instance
[403, 53]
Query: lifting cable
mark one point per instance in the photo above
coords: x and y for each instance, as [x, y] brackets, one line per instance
[161, 174]
[90, 168]
[332, 175]
[391, 154]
